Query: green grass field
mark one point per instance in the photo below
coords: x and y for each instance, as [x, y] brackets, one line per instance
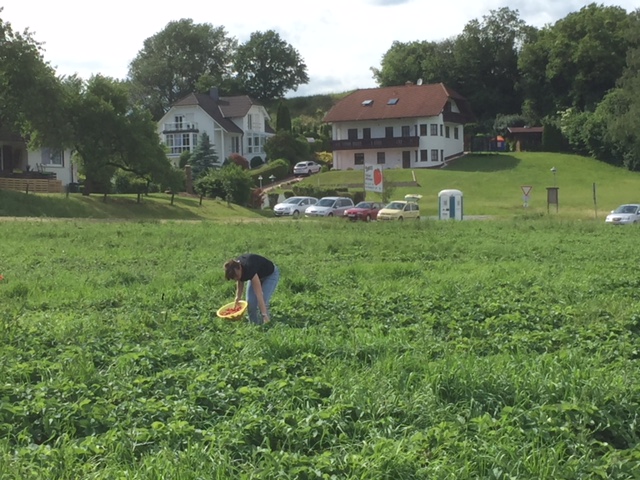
[491, 185]
[448, 350]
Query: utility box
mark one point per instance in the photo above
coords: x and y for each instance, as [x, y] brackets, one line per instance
[450, 205]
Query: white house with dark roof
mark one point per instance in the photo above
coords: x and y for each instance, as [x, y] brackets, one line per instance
[18, 162]
[236, 124]
[408, 126]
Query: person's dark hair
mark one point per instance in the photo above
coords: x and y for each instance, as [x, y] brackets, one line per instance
[231, 268]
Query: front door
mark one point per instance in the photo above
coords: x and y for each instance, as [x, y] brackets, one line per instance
[452, 206]
[406, 159]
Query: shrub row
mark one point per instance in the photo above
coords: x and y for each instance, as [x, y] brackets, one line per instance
[278, 168]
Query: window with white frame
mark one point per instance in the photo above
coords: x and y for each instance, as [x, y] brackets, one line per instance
[434, 130]
[406, 130]
[455, 133]
[424, 155]
[434, 155]
[381, 158]
[358, 158]
[52, 157]
[255, 144]
[181, 142]
[447, 131]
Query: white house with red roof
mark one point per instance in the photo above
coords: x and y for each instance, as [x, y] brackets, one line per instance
[236, 124]
[408, 126]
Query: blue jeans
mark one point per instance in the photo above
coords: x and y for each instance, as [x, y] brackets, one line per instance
[269, 285]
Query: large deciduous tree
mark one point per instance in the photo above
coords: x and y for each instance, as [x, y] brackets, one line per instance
[174, 60]
[109, 134]
[267, 67]
[30, 92]
[574, 62]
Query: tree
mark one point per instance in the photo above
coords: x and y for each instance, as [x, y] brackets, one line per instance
[176, 60]
[283, 120]
[267, 67]
[284, 144]
[574, 62]
[31, 95]
[433, 62]
[110, 134]
[203, 158]
[486, 55]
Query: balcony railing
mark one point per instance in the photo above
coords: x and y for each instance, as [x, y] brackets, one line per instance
[377, 143]
[180, 127]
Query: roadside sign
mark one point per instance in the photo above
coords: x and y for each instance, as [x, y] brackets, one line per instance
[526, 189]
[373, 178]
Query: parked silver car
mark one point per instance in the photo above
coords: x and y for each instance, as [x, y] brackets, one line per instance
[329, 206]
[624, 214]
[294, 206]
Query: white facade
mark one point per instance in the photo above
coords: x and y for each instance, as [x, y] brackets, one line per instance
[414, 143]
[182, 126]
[54, 161]
[15, 157]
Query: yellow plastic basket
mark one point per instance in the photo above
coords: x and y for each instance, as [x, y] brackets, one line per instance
[233, 316]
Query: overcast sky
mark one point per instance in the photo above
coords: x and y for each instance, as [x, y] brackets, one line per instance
[339, 40]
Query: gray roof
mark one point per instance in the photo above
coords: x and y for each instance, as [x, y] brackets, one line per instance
[221, 110]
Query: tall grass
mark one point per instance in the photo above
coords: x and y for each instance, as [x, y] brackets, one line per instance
[430, 350]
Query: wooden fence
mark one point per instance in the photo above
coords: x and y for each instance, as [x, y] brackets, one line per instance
[32, 184]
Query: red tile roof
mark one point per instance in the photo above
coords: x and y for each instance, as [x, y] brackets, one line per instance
[412, 101]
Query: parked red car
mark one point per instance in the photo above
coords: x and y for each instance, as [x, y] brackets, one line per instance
[366, 211]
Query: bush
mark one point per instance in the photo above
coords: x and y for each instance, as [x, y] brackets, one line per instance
[257, 198]
[127, 182]
[273, 199]
[288, 194]
[239, 160]
[278, 168]
[359, 196]
[231, 183]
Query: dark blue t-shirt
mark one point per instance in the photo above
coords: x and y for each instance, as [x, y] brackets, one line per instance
[253, 264]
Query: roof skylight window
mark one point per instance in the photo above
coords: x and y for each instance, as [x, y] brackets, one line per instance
[367, 103]
[392, 101]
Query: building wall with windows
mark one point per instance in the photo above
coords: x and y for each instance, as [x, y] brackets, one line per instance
[398, 143]
[53, 161]
[181, 128]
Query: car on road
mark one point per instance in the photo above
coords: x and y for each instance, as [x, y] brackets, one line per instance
[329, 207]
[294, 206]
[624, 214]
[366, 211]
[401, 209]
[306, 168]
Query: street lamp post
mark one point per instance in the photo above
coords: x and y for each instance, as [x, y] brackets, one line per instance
[554, 170]
[272, 178]
[260, 179]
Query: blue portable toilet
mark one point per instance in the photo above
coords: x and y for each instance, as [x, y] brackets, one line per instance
[450, 205]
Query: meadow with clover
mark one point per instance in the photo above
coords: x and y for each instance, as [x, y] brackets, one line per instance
[480, 349]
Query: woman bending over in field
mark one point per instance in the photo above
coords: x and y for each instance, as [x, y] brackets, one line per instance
[263, 276]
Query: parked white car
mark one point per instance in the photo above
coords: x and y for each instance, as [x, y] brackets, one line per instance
[329, 206]
[306, 168]
[294, 206]
[624, 214]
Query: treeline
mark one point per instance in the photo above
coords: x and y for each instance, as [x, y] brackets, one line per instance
[579, 77]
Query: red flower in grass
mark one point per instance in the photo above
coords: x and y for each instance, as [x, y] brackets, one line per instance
[1, 278]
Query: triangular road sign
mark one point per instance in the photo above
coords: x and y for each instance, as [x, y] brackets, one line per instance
[526, 189]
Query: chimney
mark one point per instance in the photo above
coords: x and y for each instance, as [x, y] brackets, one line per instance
[213, 93]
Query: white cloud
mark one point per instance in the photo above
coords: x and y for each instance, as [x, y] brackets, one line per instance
[339, 40]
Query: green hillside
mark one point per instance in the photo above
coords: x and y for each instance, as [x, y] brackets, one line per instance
[490, 185]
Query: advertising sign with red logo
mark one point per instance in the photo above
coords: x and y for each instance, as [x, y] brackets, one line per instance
[373, 178]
